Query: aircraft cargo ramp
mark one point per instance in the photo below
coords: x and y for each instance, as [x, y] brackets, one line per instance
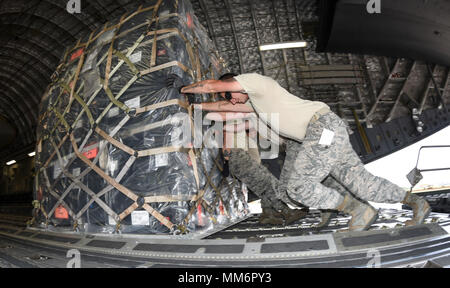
[247, 244]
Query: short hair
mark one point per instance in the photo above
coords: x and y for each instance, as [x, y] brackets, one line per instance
[227, 76]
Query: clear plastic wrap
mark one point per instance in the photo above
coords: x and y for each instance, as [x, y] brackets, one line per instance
[110, 157]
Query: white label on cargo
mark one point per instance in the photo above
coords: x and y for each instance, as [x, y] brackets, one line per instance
[134, 103]
[111, 221]
[76, 172]
[140, 218]
[161, 160]
[136, 57]
[113, 112]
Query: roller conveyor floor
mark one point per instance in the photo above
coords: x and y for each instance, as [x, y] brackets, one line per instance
[247, 244]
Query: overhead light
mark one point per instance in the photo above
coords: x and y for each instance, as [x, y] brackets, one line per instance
[31, 154]
[11, 162]
[285, 45]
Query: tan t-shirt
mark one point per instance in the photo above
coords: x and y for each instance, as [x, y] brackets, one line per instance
[274, 103]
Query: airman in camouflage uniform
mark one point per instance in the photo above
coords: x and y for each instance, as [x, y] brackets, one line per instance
[266, 186]
[313, 162]
[308, 163]
[319, 176]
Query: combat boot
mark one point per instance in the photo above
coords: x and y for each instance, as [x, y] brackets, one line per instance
[270, 216]
[292, 215]
[363, 215]
[326, 217]
[421, 209]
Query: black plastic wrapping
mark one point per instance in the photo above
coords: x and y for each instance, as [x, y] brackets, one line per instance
[66, 185]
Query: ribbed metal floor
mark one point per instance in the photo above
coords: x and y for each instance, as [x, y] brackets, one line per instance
[243, 245]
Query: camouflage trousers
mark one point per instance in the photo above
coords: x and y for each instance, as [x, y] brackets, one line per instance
[257, 178]
[309, 163]
[264, 184]
[315, 175]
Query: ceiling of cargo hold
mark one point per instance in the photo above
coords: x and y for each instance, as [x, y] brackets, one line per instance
[369, 67]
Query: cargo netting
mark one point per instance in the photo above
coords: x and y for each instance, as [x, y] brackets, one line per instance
[110, 154]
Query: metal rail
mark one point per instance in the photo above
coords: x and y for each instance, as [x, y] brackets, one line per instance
[269, 247]
[431, 147]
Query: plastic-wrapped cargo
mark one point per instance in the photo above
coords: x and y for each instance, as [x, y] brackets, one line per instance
[111, 154]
